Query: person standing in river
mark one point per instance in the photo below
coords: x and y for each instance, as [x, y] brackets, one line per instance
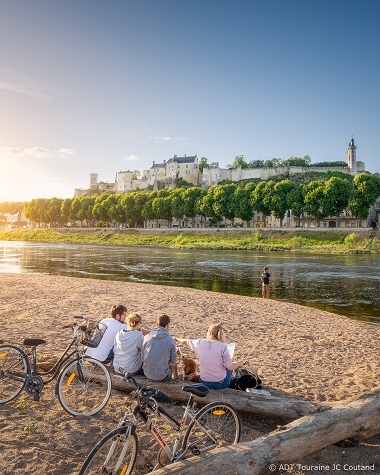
[265, 283]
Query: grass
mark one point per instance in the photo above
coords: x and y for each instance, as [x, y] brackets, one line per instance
[315, 241]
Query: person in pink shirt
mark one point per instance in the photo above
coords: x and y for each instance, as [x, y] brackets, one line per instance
[215, 362]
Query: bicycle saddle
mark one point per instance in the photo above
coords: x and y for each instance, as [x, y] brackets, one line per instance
[33, 341]
[198, 389]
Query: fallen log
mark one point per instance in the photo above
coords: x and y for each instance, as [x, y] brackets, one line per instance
[289, 444]
[273, 406]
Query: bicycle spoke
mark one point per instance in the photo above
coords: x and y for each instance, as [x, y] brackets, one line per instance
[84, 388]
[13, 364]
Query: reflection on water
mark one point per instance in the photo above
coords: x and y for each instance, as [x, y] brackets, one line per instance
[348, 285]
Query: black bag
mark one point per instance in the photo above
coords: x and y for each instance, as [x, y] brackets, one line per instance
[246, 378]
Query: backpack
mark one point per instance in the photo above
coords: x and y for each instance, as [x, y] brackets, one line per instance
[246, 377]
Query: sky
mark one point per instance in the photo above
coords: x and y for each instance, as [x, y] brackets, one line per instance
[101, 86]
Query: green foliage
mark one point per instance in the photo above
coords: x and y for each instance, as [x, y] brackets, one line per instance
[11, 207]
[352, 240]
[203, 164]
[30, 428]
[21, 405]
[323, 241]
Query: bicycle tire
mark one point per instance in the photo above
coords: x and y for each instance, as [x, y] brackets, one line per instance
[84, 391]
[13, 360]
[104, 458]
[216, 425]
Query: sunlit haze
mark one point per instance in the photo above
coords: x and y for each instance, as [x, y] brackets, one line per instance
[105, 86]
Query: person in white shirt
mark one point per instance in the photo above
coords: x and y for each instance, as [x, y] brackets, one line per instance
[104, 351]
[128, 344]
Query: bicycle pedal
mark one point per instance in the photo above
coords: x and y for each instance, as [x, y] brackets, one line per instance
[149, 466]
[194, 450]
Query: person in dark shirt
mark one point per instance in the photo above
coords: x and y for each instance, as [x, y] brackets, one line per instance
[265, 283]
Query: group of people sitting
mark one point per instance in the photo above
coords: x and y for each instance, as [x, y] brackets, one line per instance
[154, 353]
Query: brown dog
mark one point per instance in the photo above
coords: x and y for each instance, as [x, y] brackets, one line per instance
[189, 370]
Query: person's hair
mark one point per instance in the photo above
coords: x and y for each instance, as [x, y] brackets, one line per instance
[133, 319]
[216, 331]
[163, 320]
[118, 310]
[265, 269]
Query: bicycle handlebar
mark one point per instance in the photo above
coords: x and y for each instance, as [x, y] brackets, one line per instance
[75, 324]
[149, 392]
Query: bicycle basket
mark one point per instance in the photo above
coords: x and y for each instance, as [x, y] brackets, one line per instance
[93, 334]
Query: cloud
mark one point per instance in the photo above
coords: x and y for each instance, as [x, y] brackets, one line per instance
[165, 138]
[30, 90]
[37, 152]
[65, 152]
[131, 158]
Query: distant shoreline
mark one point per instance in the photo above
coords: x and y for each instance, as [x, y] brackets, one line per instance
[315, 240]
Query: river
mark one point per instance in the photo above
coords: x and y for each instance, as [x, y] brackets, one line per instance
[348, 285]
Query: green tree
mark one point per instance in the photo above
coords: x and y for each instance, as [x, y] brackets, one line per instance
[337, 195]
[100, 211]
[224, 201]
[315, 200]
[53, 211]
[239, 162]
[148, 211]
[178, 203]
[243, 203]
[256, 164]
[85, 211]
[35, 210]
[76, 205]
[365, 191]
[65, 210]
[206, 206]
[162, 206]
[261, 198]
[279, 201]
[115, 209]
[192, 198]
[295, 201]
[141, 198]
[11, 207]
[203, 164]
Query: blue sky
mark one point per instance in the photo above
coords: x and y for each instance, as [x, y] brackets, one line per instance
[108, 85]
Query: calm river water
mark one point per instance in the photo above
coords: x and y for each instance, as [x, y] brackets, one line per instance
[348, 285]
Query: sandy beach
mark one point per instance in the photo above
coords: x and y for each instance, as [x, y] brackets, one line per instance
[302, 351]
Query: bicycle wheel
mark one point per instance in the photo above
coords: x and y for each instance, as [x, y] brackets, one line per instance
[115, 454]
[216, 425]
[13, 363]
[84, 387]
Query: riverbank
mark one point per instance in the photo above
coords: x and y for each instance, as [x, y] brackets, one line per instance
[325, 241]
[299, 351]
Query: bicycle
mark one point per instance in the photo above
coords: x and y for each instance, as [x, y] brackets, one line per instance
[215, 425]
[83, 384]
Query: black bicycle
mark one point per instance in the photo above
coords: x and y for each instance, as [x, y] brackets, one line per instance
[83, 384]
[216, 425]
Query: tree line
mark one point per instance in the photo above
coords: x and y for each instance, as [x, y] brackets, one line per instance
[318, 198]
[241, 162]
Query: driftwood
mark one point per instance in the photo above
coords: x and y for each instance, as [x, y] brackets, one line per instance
[273, 406]
[290, 444]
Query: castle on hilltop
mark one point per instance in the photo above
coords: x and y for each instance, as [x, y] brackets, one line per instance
[187, 168]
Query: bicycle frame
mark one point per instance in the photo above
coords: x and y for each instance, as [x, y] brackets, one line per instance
[54, 371]
[179, 426]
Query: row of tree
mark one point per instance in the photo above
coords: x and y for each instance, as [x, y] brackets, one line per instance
[317, 198]
[241, 162]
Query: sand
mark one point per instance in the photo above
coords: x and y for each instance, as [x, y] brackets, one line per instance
[302, 351]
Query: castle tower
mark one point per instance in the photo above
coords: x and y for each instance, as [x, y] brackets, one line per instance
[351, 157]
[93, 181]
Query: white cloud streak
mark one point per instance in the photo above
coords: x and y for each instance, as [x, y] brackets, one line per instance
[37, 152]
